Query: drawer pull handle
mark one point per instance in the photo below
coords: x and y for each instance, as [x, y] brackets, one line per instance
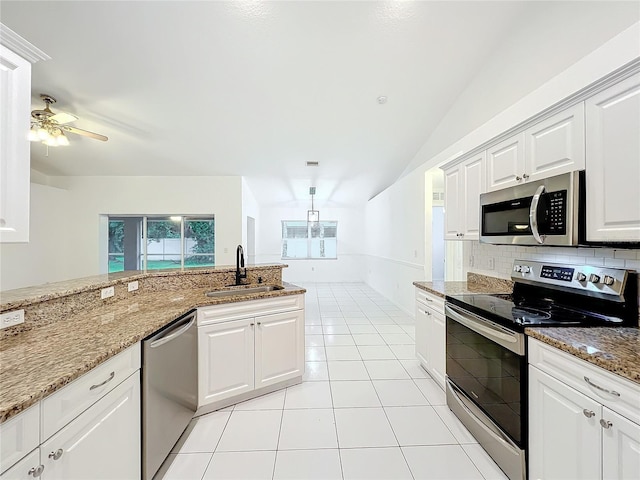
[36, 471]
[598, 387]
[57, 454]
[588, 413]
[113, 374]
[605, 423]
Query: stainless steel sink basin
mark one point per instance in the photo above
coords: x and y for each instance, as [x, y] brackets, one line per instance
[234, 291]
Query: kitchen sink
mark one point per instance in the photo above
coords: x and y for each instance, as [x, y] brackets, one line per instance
[234, 291]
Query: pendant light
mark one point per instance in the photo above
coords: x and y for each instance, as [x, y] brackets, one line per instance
[313, 216]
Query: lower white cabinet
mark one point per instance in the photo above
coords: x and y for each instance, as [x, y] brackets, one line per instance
[240, 356]
[576, 429]
[431, 334]
[102, 443]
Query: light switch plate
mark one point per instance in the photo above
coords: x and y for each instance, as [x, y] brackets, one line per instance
[10, 319]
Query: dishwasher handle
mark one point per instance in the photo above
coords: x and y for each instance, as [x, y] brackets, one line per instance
[175, 331]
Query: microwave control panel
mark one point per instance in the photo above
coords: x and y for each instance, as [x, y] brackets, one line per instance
[557, 213]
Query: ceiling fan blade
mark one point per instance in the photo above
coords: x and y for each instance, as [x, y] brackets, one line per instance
[85, 133]
[63, 117]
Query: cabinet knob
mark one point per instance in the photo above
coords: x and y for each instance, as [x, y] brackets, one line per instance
[588, 413]
[259, 323]
[605, 423]
[518, 178]
[525, 176]
[57, 454]
[36, 471]
[251, 324]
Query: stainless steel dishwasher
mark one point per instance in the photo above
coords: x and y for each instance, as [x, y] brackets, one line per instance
[169, 389]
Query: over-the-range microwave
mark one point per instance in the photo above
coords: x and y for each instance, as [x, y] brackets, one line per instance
[544, 212]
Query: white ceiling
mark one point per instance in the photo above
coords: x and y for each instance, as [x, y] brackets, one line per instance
[257, 88]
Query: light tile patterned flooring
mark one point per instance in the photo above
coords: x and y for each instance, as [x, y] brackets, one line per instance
[366, 409]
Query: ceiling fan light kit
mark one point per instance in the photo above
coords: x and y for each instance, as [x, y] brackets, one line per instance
[48, 127]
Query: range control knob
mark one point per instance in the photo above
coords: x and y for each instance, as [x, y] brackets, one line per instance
[608, 280]
[581, 277]
[526, 269]
[593, 278]
[517, 268]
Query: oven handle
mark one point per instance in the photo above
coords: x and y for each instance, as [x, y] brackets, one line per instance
[533, 215]
[513, 341]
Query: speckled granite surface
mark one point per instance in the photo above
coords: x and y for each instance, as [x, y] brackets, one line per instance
[36, 362]
[475, 284]
[616, 349]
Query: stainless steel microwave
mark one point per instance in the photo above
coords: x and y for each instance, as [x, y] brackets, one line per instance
[544, 212]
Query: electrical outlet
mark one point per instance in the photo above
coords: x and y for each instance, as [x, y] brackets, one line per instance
[492, 263]
[9, 319]
[471, 260]
[107, 292]
[132, 286]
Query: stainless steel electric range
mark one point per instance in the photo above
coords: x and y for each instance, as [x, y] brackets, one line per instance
[486, 351]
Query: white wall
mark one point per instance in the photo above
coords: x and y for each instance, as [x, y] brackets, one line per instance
[250, 208]
[394, 240]
[48, 255]
[71, 247]
[346, 268]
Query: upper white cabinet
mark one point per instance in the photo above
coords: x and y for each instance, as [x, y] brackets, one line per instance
[551, 147]
[613, 163]
[555, 145]
[464, 183]
[16, 57]
[583, 420]
[505, 163]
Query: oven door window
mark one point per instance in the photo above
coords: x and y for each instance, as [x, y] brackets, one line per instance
[507, 218]
[489, 374]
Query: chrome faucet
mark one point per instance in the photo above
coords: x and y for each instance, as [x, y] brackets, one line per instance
[240, 264]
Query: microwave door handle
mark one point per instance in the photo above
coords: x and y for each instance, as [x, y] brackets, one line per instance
[533, 215]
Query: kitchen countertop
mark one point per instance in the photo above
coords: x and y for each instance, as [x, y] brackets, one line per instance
[616, 349]
[39, 361]
[475, 283]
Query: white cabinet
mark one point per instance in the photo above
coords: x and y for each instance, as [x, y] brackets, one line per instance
[613, 163]
[431, 334]
[551, 147]
[225, 360]
[583, 420]
[243, 352]
[464, 183]
[103, 442]
[88, 429]
[16, 57]
[505, 163]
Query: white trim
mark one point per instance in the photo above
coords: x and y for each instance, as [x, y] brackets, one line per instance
[19, 45]
[419, 266]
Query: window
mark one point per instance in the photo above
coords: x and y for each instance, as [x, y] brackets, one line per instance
[171, 242]
[316, 240]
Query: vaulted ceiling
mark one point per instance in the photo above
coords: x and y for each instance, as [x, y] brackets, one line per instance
[258, 88]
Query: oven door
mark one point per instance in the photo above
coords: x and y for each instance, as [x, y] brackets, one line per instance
[487, 385]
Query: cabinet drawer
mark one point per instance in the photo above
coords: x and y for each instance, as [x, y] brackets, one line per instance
[432, 301]
[574, 372]
[250, 308]
[66, 404]
[19, 436]
[20, 471]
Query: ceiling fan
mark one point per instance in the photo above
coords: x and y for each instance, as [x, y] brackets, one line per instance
[48, 127]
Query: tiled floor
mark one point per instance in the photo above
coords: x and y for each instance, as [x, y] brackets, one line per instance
[366, 409]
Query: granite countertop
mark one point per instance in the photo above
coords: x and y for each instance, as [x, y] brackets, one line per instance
[616, 349]
[39, 361]
[475, 283]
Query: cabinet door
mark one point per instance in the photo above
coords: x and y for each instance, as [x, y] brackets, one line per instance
[101, 443]
[556, 145]
[452, 205]
[474, 181]
[620, 447]
[505, 163]
[564, 431]
[422, 334]
[15, 97]
[613, 163]
[25, 468]
[225, 360]
[279, 347]
[436, 347]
